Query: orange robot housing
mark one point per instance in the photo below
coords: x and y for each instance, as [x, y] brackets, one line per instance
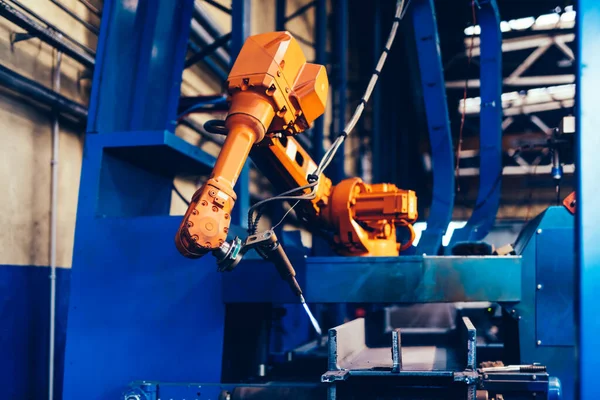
[275, 94]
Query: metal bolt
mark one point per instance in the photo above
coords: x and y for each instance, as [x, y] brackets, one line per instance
[485, 376]
[226, 229]
[207, 244]
[287, 89]
[226, 216]
[215, 209]
[534, 394]
[190, 224]
[539, 231]
[195, 212]
[539, 286]
[212, 193]
[204, 202]
[278, 73]
[539, 342]
[195, 238]
[513, 311]
[534, 377]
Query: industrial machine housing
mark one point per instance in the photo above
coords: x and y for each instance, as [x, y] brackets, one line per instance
[172, 327]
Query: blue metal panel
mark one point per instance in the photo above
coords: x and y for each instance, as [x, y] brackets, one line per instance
[24, 313]
[560, 360]
[555, 322]
[240, 23]
[490, 131]
[139, 61]
[413, 279]
[436, 108]
[588, 187]
[138, 309]
[137, 169]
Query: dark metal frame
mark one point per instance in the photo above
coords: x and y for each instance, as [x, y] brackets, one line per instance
[320, 45]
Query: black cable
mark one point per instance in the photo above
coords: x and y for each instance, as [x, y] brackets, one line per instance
[330, 153]
[181, 196]
[216, 126]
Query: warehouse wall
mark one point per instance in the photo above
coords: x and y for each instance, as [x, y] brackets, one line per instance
[25, 154]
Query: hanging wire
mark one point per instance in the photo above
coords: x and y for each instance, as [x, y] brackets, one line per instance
[464, 104]
[313, 178]
[179, 194]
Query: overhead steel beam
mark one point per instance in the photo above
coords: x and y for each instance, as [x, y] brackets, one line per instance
[520, 170]
[39, 93]
[219, 6]
[544, 80]
[300, 11]
[46, 34]
[54, 27]
[76, 17]
[207, 51]
[522, 42]
[204, 38]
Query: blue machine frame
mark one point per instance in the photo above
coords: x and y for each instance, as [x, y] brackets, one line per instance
[320, 45]
[134, 311]
[588, 187]
[490, 127]
[438, 122]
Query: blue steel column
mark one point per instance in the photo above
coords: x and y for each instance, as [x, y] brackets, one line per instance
[135, 303]
[436, 108]
[240, 29]
[588, 187]
[490, 128]
[321, 58]
[341, 84]
[153, 46]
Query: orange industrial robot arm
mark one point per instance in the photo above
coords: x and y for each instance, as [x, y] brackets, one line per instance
[274, 92]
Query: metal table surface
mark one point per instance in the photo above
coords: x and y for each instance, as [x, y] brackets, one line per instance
[411, 279]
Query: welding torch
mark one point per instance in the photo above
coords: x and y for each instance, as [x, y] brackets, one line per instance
[268, 247]
[266, 244]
